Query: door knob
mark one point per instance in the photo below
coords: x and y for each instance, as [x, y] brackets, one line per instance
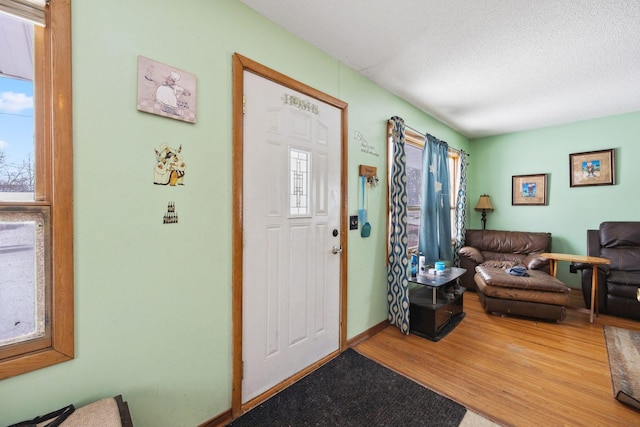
[336, 250]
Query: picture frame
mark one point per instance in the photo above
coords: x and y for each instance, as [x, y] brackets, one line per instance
[592, 168]
[166, 91]
[529, 190]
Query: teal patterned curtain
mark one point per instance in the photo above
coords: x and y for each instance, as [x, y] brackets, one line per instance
[397, 266]
[435, 210]
[461, 209]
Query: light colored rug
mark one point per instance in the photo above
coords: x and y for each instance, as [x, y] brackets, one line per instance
[623, 348]
[471, 419]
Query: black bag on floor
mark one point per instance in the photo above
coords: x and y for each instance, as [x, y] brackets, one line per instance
[55, 418]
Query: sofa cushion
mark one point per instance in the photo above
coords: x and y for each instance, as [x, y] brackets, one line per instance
[504, 256]
[499, 264]
[619, 233]
[516, 242]
[103, 413]
[545, 297]
[622, 257]
[537, 280]
[522, 308]
[624, 278]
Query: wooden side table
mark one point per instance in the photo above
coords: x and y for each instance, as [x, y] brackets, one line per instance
[594, 261]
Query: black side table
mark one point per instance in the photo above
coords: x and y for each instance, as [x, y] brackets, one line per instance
[432, 312]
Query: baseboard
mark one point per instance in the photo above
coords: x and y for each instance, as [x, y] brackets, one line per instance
[221, 420]
[367, 334]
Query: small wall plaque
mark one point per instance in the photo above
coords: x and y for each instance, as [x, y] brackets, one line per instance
[368, 171]
[171, 216]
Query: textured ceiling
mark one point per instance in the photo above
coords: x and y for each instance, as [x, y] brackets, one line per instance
[484, 67]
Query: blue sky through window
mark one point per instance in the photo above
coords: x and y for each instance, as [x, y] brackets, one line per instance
[16, 120]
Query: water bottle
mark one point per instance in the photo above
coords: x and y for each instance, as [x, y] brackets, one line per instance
[414, 265]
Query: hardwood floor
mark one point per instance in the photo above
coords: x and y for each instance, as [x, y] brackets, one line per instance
[514, 371]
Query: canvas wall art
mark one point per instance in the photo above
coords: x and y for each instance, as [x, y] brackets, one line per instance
[166, 91]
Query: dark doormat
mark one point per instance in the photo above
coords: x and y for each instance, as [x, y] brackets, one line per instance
[352, 390]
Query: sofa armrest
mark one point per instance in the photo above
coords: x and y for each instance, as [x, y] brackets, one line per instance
[535, 262]
[580, 266]
[472, 253]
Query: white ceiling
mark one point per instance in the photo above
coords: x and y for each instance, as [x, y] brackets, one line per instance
[484, 67]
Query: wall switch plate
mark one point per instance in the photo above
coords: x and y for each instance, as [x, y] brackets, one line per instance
[353, 222]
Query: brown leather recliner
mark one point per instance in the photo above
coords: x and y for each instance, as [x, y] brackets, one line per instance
[618, 282]
[503, 249]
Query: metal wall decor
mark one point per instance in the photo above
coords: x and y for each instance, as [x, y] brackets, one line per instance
[171, 216]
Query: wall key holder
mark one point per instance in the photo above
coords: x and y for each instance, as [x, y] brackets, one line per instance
[370, 173]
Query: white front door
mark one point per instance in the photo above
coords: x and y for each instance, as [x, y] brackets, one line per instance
[291, 223]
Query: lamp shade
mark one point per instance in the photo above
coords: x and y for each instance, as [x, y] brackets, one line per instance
[484, 204]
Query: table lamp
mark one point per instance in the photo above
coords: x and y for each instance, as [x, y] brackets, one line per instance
[484, 206]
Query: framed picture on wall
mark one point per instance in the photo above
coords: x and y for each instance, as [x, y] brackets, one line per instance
[592, 168]
[166, 91]
[529, 189]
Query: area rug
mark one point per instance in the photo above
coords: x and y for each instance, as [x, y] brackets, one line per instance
[623, 348]
[352, 390]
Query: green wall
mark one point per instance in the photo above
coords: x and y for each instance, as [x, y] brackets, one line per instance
[570, 210]
[369, 110]
[153, 302]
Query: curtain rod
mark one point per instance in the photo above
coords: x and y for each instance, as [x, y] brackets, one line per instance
[424, 135]
[415, 130]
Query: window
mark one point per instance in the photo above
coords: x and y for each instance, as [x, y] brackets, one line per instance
[454, 186]
[36, 194]
[299, 182]
[414, 144]
[413, 150]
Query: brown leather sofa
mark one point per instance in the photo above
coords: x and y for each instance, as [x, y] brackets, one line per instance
[489, 254]
[618, 282]
[503, 249]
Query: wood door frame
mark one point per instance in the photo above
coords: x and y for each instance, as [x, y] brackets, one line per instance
[240, 65]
